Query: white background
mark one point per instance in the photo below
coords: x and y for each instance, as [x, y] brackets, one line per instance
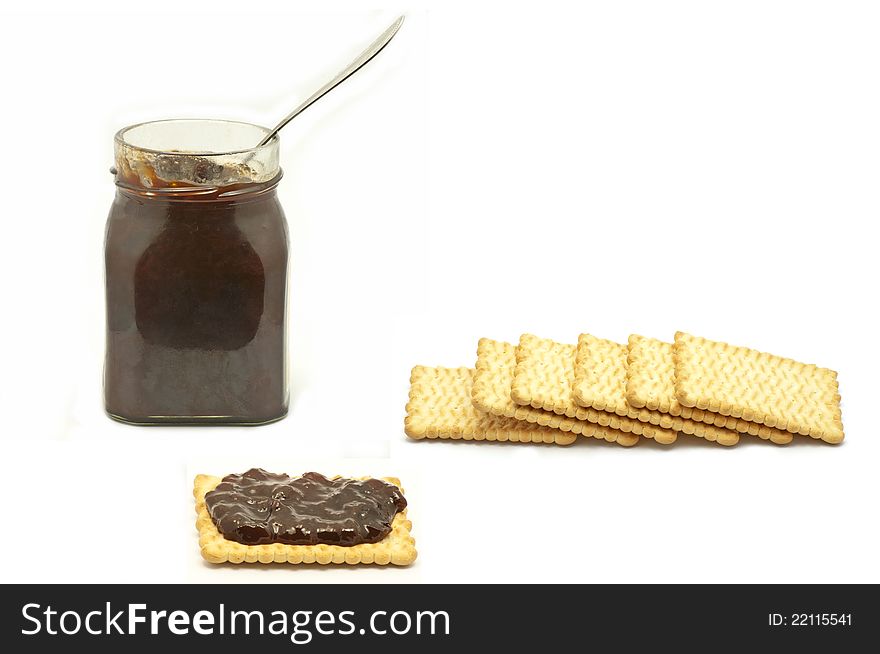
[602, 167]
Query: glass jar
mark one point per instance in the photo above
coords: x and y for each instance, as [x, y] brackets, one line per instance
[196, 276]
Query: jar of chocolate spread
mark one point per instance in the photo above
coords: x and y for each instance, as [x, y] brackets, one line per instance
[196, 276]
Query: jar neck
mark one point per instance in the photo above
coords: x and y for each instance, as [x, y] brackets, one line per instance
[176, 192]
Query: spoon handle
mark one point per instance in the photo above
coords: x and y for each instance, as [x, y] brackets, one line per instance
[372, 50]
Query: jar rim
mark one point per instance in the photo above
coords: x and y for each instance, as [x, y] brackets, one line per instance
[119, 137]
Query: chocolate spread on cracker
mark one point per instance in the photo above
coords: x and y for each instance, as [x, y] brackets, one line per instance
[260, 507]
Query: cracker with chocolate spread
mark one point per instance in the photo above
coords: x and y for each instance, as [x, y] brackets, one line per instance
[261, 517]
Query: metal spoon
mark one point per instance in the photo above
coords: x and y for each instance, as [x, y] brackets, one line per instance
[372, 50]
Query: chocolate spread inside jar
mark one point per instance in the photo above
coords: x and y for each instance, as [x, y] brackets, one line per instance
[196, 257]
[260, 507]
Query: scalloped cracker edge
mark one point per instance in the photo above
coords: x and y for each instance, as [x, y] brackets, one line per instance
[757, 387]
[496, 361]
[544, 379]
[397, 548]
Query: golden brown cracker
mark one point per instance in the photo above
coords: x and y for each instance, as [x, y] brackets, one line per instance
[600, 375]
[650, 384]
[757, 387]
[493, 376]
[397, 548]
[544, 377]
[440, 406]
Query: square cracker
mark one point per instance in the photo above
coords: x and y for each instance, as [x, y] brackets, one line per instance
[650, 383]
[397, 548]
[491, 393]
[758, 387]
[544, 379]
[600, 374]
[440, 406]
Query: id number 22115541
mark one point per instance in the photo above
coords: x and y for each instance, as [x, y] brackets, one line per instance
[810, 620]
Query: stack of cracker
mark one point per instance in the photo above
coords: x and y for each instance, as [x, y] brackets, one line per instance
[541, 391]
